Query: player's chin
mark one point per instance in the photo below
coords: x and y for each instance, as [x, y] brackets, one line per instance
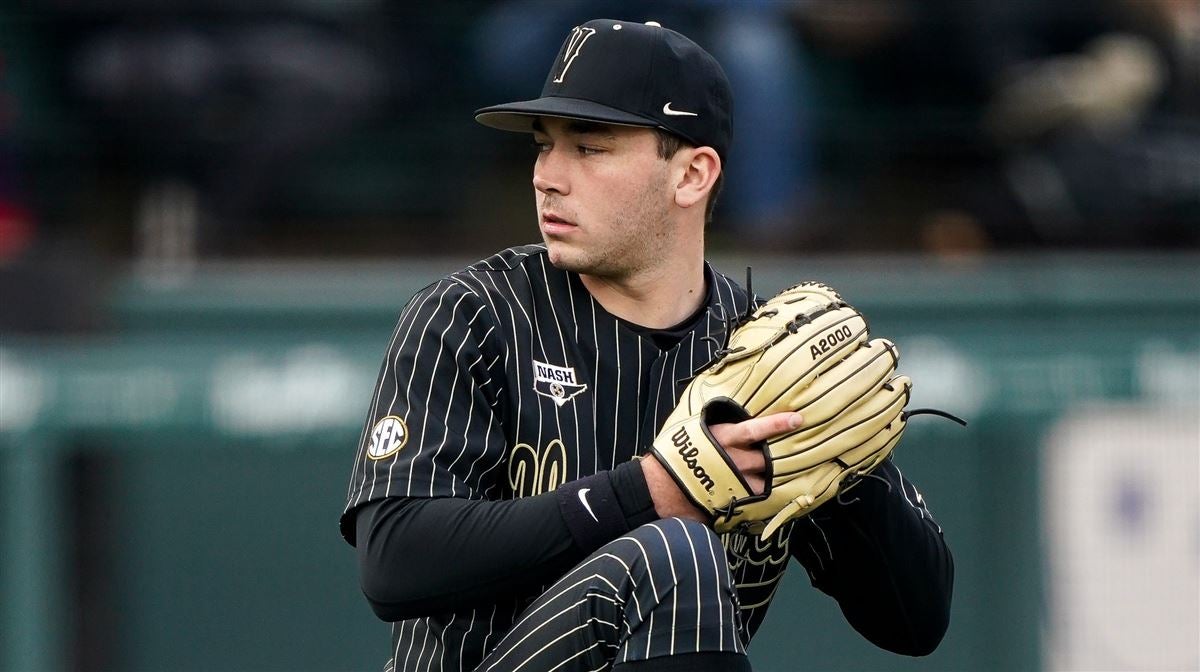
[562, 255]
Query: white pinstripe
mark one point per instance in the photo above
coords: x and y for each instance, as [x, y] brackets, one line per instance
[407, 402]
[828, 548]
[392, 363]
[712, 551]
[521, 385]
[562, 590]
[562, 342]
[585, 574]
[637, 440]
[428, 395]
[596, 381]
[369, 422]
[437, 643]
[920, 507]
[552, 642]
[466, 432]
[699, 602]
[549, 621]
[463, 646]
[674, 595]
[446, 420]
[617, 408]
[412, 640]
[580, 653]
[491, 629]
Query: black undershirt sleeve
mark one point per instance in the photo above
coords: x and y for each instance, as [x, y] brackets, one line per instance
[423, 556]
[881, 555]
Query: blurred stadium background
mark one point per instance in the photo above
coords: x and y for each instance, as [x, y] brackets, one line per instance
[211, 212]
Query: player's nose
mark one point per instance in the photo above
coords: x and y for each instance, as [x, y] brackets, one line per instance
[549, 173]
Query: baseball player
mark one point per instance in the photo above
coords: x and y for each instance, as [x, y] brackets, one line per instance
[503, 513]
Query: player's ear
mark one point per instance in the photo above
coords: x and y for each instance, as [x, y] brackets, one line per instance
[699, 168]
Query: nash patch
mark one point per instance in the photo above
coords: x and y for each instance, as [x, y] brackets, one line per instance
[556, 382]
[387, 438]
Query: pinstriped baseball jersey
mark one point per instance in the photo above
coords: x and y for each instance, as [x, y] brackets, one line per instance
[506, 380]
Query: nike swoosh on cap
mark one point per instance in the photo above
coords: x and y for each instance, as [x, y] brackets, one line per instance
[677, 113]
[583, 500]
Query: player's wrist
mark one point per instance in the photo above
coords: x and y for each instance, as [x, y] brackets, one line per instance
[590, 509]
[669, 500]
[633, 494]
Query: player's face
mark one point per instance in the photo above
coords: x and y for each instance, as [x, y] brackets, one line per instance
[603, 202]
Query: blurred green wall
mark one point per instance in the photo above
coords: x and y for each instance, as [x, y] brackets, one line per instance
[171, 487]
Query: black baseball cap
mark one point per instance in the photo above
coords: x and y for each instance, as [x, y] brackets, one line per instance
[630, 74]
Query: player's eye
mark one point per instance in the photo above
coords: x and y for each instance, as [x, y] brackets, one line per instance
[587, 150]
[539, 147]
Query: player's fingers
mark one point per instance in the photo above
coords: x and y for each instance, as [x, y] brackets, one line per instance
[748, 461]
[749, 432]
[757, 484]
[752, 464]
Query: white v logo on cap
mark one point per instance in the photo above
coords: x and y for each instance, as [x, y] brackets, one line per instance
[677, 113]
[574, 46]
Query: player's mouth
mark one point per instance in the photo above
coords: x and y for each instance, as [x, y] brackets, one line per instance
[553, 224]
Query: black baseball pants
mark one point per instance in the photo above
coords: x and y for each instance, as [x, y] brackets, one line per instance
[659, 598]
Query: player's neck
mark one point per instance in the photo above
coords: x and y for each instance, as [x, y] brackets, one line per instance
[658, 297]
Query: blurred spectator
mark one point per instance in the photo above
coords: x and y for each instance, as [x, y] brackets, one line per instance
[39, 290]
[963, 124]
[16, 221]
[171, 130]
[1098, 148]
[216, 109]
[262, 127]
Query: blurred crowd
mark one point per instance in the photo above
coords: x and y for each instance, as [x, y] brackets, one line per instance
[167, 132]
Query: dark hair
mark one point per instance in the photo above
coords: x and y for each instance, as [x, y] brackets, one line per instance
[668, 145]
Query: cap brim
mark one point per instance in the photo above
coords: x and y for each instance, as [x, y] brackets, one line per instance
[520, 116]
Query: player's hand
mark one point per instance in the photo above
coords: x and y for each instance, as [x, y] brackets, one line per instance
[737, 438]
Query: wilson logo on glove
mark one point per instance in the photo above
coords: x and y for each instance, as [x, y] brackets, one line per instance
[689, 453]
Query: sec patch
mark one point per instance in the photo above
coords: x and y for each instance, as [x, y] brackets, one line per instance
[387, 438]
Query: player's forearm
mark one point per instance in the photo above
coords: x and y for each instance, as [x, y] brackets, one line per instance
[425, 556]
[891, 570]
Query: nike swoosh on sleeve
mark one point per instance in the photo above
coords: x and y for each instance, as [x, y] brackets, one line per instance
[583, 500]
